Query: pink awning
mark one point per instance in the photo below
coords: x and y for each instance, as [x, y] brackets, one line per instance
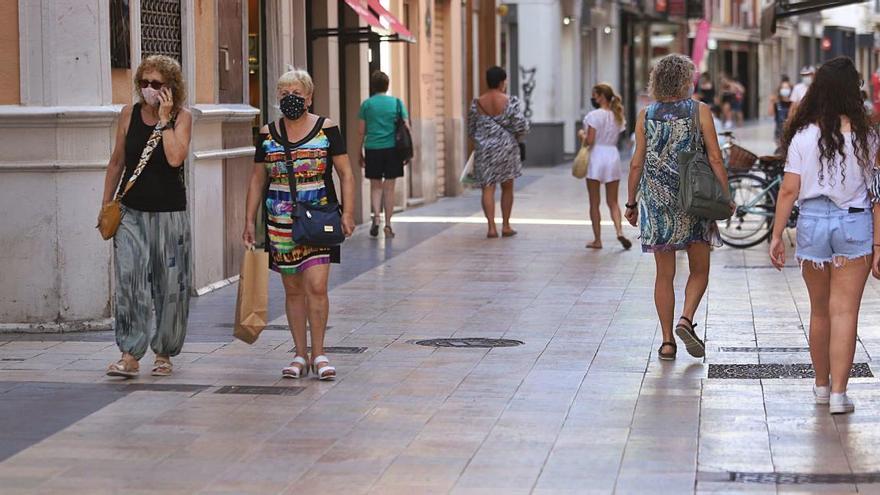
[392, 21]
[364, 13]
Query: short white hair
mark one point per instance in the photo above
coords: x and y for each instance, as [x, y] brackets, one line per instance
[297, 76]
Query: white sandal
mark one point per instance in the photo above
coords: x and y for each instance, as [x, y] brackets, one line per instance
[296, 371]
[325, 372]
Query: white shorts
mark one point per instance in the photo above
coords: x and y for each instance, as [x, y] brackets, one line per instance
[604, 164]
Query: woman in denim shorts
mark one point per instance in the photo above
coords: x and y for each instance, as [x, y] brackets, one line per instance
[831, 152]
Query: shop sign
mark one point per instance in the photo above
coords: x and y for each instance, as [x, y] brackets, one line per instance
[660, 6]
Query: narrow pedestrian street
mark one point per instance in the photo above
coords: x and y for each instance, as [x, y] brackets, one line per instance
[578, 403]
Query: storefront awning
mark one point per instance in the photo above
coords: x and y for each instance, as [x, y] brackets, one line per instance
[383, 24]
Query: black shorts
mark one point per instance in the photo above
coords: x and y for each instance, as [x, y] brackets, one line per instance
[383, 164]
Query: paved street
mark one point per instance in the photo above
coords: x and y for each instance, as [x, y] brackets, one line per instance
[582, 406]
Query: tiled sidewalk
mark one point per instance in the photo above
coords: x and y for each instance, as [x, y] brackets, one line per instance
[582, 407]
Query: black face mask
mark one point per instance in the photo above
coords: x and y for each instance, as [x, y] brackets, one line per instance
[594, 102]
[293, 106]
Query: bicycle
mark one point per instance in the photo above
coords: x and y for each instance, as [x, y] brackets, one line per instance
[754, 192]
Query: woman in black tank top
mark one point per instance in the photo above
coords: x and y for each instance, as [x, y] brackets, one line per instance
[152, 245]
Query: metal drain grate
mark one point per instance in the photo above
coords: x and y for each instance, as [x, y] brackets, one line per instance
[764, 349]
[801, 478]
[471, 342]
[15, 360]
[258, 390]
[338, 350]
[161, 387]
[769, 371]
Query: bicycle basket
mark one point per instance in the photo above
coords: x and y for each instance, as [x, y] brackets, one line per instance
[741, 159]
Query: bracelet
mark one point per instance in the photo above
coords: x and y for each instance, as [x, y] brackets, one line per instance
[630, 206]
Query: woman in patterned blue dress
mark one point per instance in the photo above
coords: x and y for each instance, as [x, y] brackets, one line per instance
[664, 129]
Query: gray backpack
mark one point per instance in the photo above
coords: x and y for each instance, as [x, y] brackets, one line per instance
[699, 193]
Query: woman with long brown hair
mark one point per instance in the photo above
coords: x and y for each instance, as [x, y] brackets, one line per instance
[831, 151]
[602, 128]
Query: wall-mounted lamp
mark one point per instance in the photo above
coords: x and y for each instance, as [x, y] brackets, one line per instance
[607, 30]
[503, 10]
[712, 44]
[566, 20]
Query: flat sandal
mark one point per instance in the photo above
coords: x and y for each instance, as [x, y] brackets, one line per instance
[667, 356]
[695, 347]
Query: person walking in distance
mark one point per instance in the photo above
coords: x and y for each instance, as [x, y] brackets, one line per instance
[382, 166]
[831, 158]
[311, 146]
[152, 245]
[800, 89]
[662, 130]
[602, 128]
[497, 126]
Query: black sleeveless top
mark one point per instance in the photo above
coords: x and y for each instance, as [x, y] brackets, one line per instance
[160, 186]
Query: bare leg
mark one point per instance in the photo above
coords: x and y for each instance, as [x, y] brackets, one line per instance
[847, 286]
[296, 309]
[388, 203]
[698, 278]
[506, 206]
[611, 199]
[376, 199]
[664, 292]
[595, 195]
[489, 209]
[818, 285]
[315, 285]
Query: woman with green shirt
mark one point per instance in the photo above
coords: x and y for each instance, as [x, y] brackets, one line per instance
[380, 159]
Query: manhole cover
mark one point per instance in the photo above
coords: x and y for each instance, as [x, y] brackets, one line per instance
[794, 478]
[338, 350]
[478, 342]
[764, 349]
[768, 371]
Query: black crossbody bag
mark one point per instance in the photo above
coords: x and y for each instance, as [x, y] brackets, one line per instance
[313, 225]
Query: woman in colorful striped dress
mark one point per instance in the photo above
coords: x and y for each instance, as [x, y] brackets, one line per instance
[316, 147]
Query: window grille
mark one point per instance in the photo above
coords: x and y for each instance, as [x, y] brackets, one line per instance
[160, 28]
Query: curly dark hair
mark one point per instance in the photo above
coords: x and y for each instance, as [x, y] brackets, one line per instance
[835, 93]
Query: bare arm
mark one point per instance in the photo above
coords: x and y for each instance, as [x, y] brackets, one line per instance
[256, 186]
[116, 165]
[590, 137]
[875, 266]
[343, 169]
[713, 151]
[362, 136]
[788, 193]
[176, 141]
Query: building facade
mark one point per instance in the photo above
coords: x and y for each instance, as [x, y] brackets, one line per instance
[68, 68]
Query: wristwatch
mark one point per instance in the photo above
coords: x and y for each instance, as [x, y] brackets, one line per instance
[167, 125]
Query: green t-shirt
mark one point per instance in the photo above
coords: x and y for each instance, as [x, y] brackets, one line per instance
[379, 112]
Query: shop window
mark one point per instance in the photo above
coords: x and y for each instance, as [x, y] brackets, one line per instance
[160, 28]
[120, 34]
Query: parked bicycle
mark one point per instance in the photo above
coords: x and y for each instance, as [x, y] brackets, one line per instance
[754, 190]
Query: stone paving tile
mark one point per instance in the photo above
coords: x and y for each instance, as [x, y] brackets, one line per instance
[582, 407]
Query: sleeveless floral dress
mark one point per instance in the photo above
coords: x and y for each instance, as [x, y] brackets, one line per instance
[664, 225]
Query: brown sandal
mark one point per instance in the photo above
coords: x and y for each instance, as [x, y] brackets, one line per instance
[667, 356]
[123, 369]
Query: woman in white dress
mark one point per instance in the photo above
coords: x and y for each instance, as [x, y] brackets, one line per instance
[602, 128]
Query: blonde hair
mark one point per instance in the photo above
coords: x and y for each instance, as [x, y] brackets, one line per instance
[672, 77]
[296, 76]
[613, 99]
[171, 72]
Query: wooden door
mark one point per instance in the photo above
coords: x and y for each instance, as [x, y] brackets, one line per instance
[230, 62]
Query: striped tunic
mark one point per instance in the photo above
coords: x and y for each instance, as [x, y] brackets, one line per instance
[311, 163]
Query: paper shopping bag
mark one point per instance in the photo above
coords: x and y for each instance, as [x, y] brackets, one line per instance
[252, 305]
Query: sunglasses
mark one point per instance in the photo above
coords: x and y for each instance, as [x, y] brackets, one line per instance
[157, 85]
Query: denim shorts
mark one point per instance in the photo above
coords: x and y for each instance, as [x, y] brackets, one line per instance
[827, 233]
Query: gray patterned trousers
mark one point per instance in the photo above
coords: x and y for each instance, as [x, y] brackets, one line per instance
[152, 274]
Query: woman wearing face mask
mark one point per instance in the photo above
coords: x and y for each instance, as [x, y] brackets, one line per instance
[152, 244]
[316, 147]
[780, 107]
[602, 128]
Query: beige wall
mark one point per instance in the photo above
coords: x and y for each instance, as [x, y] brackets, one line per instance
[123, 86]
[206, 52]
[10, 83]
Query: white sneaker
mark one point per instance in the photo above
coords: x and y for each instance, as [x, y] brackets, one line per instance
[822, 394]
[840, 404]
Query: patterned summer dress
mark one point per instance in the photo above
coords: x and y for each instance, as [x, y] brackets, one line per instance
[496, 148]
[664, 225]
[312, 163]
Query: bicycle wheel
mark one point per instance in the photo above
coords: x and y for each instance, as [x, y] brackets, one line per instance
[752, 223]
